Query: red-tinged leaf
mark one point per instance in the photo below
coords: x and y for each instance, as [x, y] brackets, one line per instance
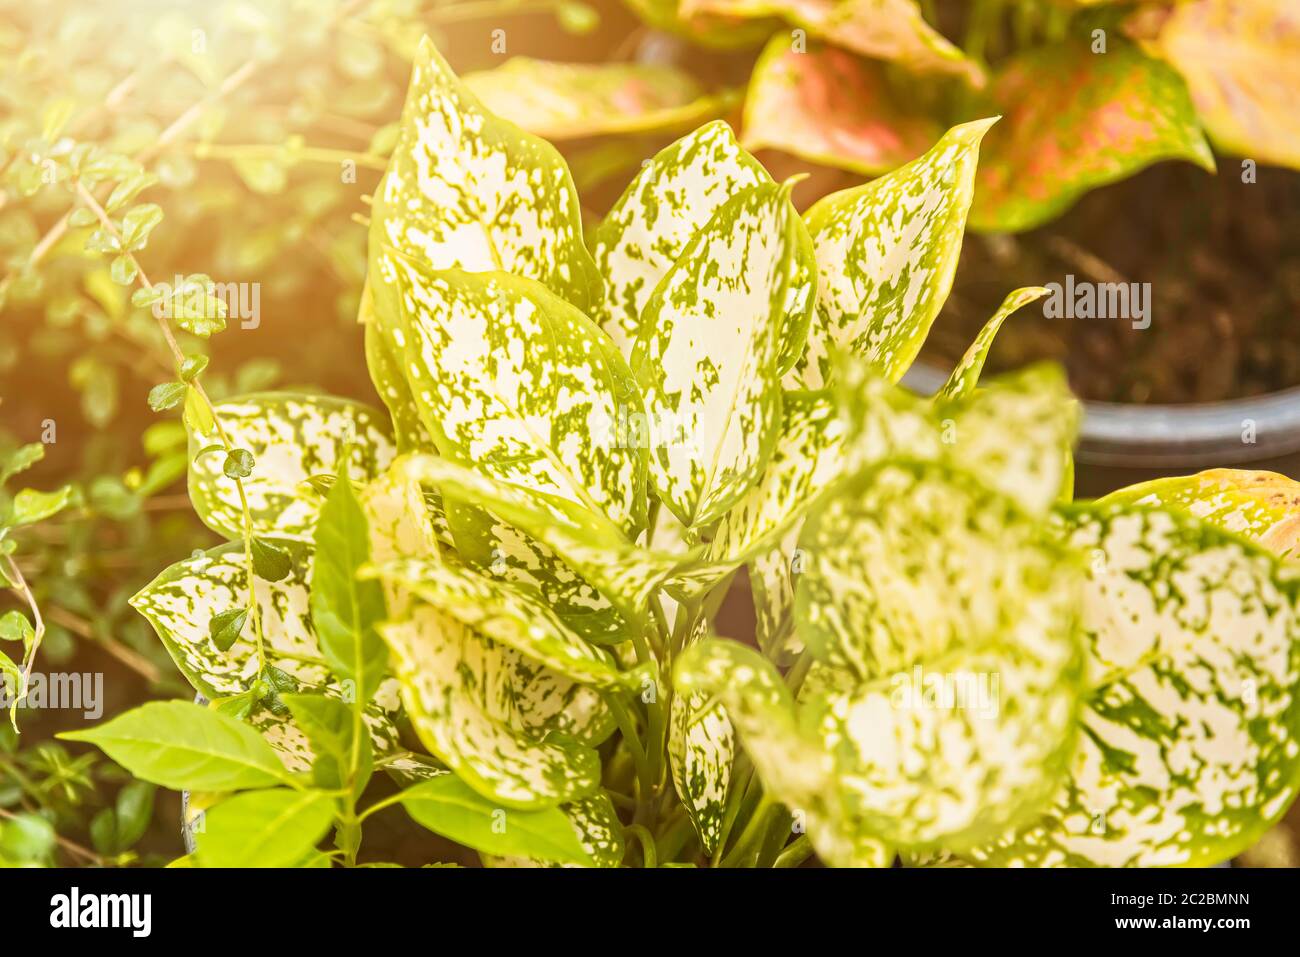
[718, 32]
[1242, 64]
[833, 108]
[1074, 120]
[891, 30]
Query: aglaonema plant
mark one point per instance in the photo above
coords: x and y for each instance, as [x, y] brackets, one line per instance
[507, 593]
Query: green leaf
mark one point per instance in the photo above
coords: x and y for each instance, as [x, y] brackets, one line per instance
[116, 829]
[448, 807]
[225, 627]
[31, 506]
[519, 385]
[1240, 64]
[138, 223]
[19, 459]
[1187, 755]
[14, 626]
[180, 745]
[954, 613]
[27, 839]
[1077, 120]
[966, 375]
[238, 464]
[166, 395]
[193, 367]
[707, 356]
[466, 189]
[561, 101]
[892, 30]
[703, 29]
[886, 256]
[516, 732]
[598, 828]
[123, 270]
[272, 828]
[345, 611]
[269, 562]
[263, 174]
[329, 726]
[827, 106]
[291, 438]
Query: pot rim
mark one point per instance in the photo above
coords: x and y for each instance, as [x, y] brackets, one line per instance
[1195, 435]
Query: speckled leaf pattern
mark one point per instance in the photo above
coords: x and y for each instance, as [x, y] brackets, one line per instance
[1262, 506]
[567, 100]
[519, 385]
[965, 377]
[670, 200]
[701, 752]
[881, 29]
[469, 190]
[180, 602]
[1189, 749]
[708, 352]
[510, 617]
[956, 614]
[292, 438]
[463, 694]
[599, 830]
[1242, 64]
[385, 366]
[586, 542]
[830, 107]
[886, 255]
[1074, 120]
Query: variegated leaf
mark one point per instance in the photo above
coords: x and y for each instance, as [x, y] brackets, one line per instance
[886, 255]
[568, 100]
[671, 199]
[956, 614]
[292, 438]
[460, 690]
[510, 617]
[790, 762]
[598, 828]
[828, 106]
[1189, 750]
[586, 542]
[882, 29]
[1263, 506]
[181, 601]
[701, 751]
[1242, 64]
[707, 355]
[965, 377]
[517, 384]
[1076, 120]
[385, 365]
[468, 190]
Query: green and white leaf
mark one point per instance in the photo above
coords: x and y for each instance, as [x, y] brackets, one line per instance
[508, 616]
[707, 355]
[292, 438]
[469, 190]
[965, 377]
[701, 752]
[956, 613]
[517, 384]
[670, 200]
[886, 255]
[471, 705]
[1188, 753]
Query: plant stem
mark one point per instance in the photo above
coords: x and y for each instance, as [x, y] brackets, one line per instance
[38, 632]
[648, 855]
[795, 853]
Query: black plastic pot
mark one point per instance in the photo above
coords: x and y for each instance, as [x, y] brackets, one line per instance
[1123, 444]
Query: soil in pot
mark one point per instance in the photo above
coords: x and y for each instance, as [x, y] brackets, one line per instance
[1222, 258]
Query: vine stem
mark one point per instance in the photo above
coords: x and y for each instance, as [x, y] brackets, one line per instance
[254, 609]
[38, 632]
